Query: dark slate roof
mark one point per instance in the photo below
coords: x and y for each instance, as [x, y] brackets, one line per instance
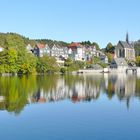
[125, 44]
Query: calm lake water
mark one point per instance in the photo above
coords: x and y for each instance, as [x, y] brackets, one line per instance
[81, 107]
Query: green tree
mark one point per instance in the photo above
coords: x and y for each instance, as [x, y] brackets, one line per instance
[86, 43]
[137, 48]
[109, 48]
[95, 60]
[3, 61]
[47, 64]
[11, 60]
[96, 45]
[110, 57]
[80, 64]
[68, 62]
[8, 61]
[70, 65]
[138, 60]
[14, 40]
[26, 62]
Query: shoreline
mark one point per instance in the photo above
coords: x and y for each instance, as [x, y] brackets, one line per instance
[82, 71]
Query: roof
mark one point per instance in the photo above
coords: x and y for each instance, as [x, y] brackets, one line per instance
[65, 48]
[53, 46]
[58, 46]
[40, 46]
[125, 44]
[75, 45]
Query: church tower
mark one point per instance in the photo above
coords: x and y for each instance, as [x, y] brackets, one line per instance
[127, 38]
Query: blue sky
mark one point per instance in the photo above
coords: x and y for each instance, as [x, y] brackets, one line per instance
[102, 21]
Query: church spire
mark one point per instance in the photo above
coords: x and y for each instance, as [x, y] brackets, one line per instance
[127, 38]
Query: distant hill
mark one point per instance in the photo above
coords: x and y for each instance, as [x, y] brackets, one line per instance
[52, 42]
[17, 40]
[14, 39]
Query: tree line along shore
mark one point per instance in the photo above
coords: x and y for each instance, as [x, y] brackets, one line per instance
[15, 59]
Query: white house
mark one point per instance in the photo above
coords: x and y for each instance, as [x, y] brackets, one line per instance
[77, 51]
[48, 50]
[39, 50]
[29, 48]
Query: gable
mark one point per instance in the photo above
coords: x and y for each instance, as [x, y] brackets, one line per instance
[126, 45]
[119, 46]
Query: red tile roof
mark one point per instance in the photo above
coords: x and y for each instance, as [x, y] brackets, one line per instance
[75, 45]
[41, 46]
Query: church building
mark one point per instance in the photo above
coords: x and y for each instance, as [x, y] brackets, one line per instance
[125, 49]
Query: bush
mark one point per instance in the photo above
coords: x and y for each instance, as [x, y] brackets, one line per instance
[47, 64]
[63, 70]
[103, 65]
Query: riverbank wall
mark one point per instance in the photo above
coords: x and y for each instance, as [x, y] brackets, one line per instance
[110, 70]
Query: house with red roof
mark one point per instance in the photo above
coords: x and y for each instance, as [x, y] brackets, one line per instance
[77, 51]
[40, 50]
[54, 51]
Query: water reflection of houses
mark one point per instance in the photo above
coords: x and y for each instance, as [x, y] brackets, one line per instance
[83, 92]
[79, 91]
[39, 96]
[87, 88]
[78, 88]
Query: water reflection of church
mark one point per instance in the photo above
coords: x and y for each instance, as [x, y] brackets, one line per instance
[80, 88]
[125, 86]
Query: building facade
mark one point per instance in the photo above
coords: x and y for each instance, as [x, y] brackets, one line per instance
[39, 50]
[77, 52]
[125, 49]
